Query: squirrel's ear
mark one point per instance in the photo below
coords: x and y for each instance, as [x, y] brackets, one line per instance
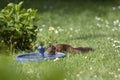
[53, 47]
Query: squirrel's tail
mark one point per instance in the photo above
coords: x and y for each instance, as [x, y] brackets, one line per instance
[85, 49]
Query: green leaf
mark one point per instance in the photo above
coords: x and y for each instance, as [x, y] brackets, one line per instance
[18, 6]
[10, 5]
[18, 23]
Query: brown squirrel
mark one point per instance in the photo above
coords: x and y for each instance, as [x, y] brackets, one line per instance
[68, 48]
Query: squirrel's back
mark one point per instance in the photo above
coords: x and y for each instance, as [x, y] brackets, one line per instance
[68, 48]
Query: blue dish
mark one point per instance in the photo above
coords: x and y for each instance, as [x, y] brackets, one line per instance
[38, 56]
[29, 57]
[53, 56]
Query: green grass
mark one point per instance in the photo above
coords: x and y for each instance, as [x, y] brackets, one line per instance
[80, 28]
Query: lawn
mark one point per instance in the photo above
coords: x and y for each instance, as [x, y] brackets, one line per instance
[94, 23]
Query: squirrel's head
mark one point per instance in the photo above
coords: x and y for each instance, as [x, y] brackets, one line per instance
[51, 50]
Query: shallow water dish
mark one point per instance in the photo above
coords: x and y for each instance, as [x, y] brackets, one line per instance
[38, 56]
[29, 57]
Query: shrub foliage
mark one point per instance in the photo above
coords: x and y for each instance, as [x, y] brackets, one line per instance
[17, 26]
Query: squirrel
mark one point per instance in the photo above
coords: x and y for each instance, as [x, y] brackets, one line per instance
[68, 48]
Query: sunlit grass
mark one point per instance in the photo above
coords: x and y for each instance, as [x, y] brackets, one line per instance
[92, 24]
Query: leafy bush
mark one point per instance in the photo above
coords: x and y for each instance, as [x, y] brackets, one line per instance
[17, 26]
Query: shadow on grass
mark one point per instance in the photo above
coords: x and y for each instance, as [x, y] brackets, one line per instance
[92, 36]
[66, 6]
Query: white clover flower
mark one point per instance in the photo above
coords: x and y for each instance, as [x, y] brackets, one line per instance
[113, 8]
[59, 27]
[86, 57]
[71, 35]
[116, 22]
[117, 46]
[107, 26]
[43, 25]
[56, 31]
[98, 25]
[65, 79]
[115, 76]
[91, 68]
[118, 7]
[98, 18]
[108, 38]
[52, 29]
[111, 73]
[115, 41]
[117, 51]
[112, 39]
[41, 30]
[56, 59]
[113, 45]
[95, 76]
[60, 30]
[80, 72]
[78, 75]
[71, 28]
[106, 22]
[118, 69]
[118, 76]
[114, 29]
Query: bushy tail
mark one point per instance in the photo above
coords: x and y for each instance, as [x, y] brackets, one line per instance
[84, 49]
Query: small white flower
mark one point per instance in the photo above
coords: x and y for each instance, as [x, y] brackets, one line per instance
[60, 30]
[52, 29]
[108, 38]
[113, 8]
[107, 26]
[78, 75]
[71, 29]
[65, 79]
[56, 31]
[115, 41]
[118, 7]
[116, 22]
[56, 59]
[98, 18]
[113, 45]
[98, 25]
[59, 27]
[112, 39]
[91, 68]
[111, 73]
[85, 57]
[95, 76]
[41, 30]
[70, 35]
[114, 29]
[118, 69]
[117, 46]
[115, 76]
[43, 25]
